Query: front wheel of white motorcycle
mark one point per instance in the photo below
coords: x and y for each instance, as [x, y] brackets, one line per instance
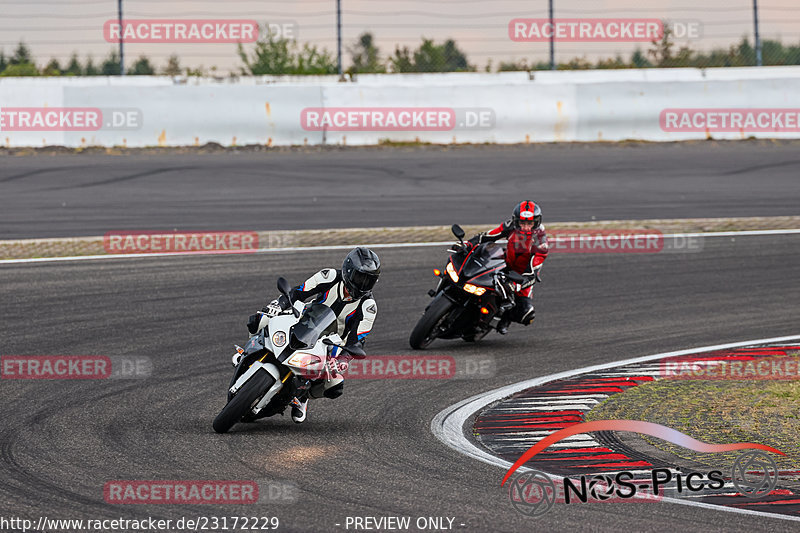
[244, 400]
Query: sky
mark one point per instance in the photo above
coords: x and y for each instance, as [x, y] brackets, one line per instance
[58, 28]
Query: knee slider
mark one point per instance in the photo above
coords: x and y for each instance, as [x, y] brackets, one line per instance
[524, 312]
[335, 391]
[332, 388]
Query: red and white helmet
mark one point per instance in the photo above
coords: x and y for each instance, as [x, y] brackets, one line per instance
[529, 212]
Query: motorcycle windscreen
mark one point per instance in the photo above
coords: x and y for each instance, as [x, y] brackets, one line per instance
[255, 343]
[486, 257]
[317, 319]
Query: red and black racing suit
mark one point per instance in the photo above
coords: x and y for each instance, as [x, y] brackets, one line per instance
[525, 254]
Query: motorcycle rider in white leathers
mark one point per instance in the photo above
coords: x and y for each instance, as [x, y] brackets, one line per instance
[348, 292]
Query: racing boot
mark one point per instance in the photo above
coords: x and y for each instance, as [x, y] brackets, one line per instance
[505, 321]
[299, 409]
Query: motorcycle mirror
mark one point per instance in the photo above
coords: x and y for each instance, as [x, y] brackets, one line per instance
[458, 232]
[284, 287]
[327, 342]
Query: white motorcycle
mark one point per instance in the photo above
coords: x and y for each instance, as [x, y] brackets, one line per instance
[297, 348]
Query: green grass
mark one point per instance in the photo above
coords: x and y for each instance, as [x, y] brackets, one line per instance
[715, 412]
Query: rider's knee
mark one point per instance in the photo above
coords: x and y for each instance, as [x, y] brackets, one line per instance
[335, 391]
[523, 313]
[332, 388]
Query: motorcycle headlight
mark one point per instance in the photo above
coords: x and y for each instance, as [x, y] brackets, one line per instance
[452, 272]
[473, 289]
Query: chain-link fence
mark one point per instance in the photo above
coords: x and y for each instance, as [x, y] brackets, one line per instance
[81, 37]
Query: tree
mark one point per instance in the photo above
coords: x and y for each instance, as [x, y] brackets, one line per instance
[639, 60]
[196, 71]
[366, 56]
[21, 69]
[401, 60]
[576, 63]
[90, 69]
[510, 66]
[279, 55]
[111, 65]
[431, 57]
[315, 61]
[22, 55]
[271, 56]
[173, 67]
[3, 61]
[662, 51]
[21, 63]
[142, 67]
[74, 66]
[615, 63]
[52, 68]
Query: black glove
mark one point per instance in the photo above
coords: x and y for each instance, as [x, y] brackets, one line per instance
[272, 309]
[252, 323]
[531, 279]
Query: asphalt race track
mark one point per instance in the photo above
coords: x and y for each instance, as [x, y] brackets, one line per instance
[85, 194]
[371, 452]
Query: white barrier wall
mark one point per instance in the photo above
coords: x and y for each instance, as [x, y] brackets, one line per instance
[520, 107]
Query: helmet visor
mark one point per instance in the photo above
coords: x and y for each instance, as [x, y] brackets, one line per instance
[362, 281]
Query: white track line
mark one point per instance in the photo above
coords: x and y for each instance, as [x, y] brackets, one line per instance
[448, 424]
[747, 233]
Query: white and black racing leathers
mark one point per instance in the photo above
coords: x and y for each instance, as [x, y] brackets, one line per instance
[355, 317]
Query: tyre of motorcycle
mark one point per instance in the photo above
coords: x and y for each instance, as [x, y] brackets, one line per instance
[242, 367]
[276, 405]
[244, 399]
[425, 331]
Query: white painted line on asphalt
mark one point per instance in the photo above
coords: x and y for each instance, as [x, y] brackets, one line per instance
[746, 233]
[448, 424]
[227, 252]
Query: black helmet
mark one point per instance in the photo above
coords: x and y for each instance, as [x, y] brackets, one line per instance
[360, 271]
[529, 212]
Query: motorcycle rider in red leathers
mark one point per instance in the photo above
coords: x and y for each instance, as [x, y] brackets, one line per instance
[526, 251]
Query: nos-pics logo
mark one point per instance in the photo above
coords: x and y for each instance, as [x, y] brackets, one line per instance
[533, 493]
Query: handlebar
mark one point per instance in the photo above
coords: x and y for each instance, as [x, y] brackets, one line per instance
[355, 351]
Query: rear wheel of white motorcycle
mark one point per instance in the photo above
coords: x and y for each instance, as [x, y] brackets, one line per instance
[247, 396]
[428, 326]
